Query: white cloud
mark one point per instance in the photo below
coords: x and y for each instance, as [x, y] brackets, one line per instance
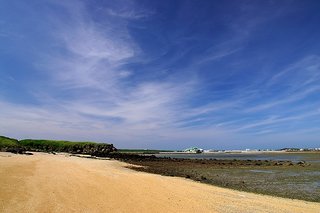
[91, 75]
[90, 95]
[299, 74]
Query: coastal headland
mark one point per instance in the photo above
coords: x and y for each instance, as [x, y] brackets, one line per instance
[62, 183]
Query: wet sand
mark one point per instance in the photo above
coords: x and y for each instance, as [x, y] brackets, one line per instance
[59, 183]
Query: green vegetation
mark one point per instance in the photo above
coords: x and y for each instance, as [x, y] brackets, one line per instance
[6, 142]
[53, 145]
[91, 148]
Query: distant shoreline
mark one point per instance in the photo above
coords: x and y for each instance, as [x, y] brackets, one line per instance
[243, 152]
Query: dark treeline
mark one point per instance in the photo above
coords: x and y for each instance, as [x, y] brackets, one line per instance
[21, 146]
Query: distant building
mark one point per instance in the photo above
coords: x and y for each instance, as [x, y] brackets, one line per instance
[193, 150]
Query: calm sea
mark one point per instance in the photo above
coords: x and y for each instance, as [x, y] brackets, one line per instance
[294, 157]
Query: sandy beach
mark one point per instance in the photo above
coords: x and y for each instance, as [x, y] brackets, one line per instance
[60, 183]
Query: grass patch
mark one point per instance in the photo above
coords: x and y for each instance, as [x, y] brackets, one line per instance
[6, 142]
[91, 148]
[97, 149]
[53, 145]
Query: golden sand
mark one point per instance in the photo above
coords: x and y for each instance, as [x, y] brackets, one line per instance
[59, 183]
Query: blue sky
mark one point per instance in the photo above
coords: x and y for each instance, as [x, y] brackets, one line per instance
[162, 74]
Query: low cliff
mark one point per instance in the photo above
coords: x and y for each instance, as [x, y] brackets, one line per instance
[90, 148]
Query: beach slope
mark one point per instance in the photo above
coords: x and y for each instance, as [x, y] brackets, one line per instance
[60, 183]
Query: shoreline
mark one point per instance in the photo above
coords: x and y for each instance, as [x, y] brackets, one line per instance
[245, 152]
[60, 183]
[281, 178]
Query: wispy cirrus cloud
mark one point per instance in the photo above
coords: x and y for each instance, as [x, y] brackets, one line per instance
[88, 83]
[105, 73]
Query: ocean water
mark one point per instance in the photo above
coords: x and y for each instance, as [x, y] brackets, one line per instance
[294, 157]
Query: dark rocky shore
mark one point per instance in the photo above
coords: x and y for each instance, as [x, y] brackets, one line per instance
[279, 178]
